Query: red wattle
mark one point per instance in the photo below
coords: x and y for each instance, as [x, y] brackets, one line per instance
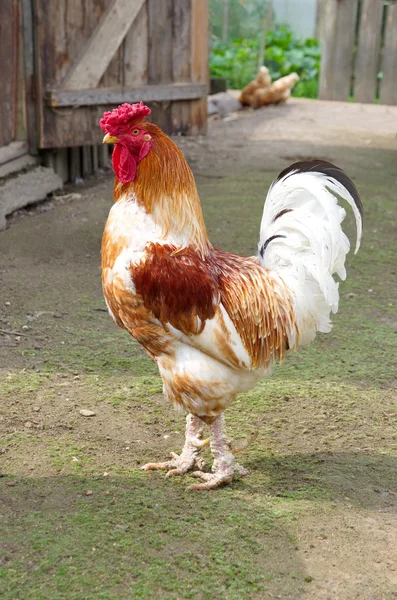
[124, 164]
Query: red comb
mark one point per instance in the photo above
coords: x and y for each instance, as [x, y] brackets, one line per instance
[121, 118]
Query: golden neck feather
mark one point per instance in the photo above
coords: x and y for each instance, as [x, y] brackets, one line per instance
[165, 186]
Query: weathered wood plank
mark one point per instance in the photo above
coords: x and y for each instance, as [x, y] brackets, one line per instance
[320, 19]
[95, 158]
[61, 164]
[200, 74]
[62, 28]
[29, 68]
[9, 69]
[388, 90]
[327, 71]
[160, 15]
[344, 43]
[87, 161]
[103, 44]
[49, 159]
[103, 155]
[75, 164]
[114, 74]
[136, 49]
[367, 58]
[337, 56]
[181, 62]
[148, 93]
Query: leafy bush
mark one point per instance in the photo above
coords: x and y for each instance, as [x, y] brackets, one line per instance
[236, 61]
[285, 53]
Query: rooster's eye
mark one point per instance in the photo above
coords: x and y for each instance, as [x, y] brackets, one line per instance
[135, 131]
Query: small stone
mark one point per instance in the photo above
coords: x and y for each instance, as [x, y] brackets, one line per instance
[351, 295]
[106, 493]
[106, 474]
[28, 424]
[36, 408]
[87, 413]
[11, 483]
[7, 303]
[37, 347]
[88, 492]
[166, 437]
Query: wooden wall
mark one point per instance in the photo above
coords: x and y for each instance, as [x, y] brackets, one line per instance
[9, 40]
[64, 62]
[359, 40]
[162, 56]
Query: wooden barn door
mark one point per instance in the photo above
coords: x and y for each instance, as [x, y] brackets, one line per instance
[96, 54]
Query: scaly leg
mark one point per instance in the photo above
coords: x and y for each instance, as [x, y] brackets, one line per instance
[224, 466]
[189, 458]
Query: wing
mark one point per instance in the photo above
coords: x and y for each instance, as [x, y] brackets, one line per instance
[259, 306]
[228, 306]
[177, 286]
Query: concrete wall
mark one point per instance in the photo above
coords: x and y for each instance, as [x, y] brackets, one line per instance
[299, 14]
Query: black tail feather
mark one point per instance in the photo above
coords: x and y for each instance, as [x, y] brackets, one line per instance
[328, 169]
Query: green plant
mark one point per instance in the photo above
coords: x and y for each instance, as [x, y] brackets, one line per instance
[285, 53]
[235, 61]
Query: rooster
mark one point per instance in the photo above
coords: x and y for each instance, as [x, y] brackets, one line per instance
[215, 322]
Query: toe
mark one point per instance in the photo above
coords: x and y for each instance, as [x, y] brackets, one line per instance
[201, 475]
[175, 472]
[157, 466]
[211, 483]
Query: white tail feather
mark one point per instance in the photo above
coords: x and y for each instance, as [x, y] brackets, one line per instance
[301, 238]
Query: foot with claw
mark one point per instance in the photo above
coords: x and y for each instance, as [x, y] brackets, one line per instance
[224, 467]
[189, 458]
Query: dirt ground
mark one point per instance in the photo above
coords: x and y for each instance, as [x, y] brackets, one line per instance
[317, 516]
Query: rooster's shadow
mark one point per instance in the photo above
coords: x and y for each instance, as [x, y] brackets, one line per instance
[364, 479]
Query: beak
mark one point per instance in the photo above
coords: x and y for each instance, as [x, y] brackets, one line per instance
[108, 139]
